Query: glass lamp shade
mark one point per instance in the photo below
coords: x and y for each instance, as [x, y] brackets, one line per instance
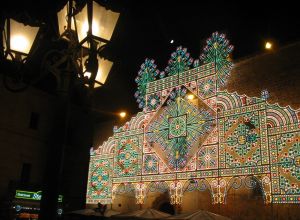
[18, 38]
[103, 23]
[104, 67]
[62, 17]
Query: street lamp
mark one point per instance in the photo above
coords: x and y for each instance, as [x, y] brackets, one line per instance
[93, 16]
[89, 29]
[18, 40]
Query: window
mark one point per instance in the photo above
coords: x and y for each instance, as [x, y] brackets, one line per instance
[34, 120]
[25, 173]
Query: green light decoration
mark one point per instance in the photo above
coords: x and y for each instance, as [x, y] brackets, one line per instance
[146, 74]
[180, 61]
[218, 50]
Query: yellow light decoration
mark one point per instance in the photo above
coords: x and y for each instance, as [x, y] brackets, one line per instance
[140, 193]
[268, 45]
[176, 193]
[122, 114]
[190, 97]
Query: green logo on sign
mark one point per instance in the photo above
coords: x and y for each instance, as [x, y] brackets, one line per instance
[32, 195]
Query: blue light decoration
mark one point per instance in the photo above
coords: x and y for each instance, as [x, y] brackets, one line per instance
[18, 208]
[265, 95]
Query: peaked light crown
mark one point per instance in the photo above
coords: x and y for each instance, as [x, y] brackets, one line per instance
[180, 61]
[146, 74]
[217, 50]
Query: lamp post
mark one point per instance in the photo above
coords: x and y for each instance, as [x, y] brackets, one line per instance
[87, 30]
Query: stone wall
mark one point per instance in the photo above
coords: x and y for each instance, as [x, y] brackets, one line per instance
[277, 71]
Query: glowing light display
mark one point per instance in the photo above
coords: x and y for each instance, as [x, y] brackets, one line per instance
[215, 141]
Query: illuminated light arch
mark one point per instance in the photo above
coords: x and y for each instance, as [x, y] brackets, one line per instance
[220, 106]
[225, 101]
[293, 114]
[158, 186]
[250, 182]
[274, 119]
[237, 100]
[282, 116]
[228, 101]
[122, 188]
[197, 184]
[271, 123]
[107, 147]
[138, 121]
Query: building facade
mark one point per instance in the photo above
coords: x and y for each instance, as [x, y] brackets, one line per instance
[25, 126]
[30, 134]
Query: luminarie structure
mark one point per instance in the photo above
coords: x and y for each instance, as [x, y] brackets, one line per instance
[215, 141]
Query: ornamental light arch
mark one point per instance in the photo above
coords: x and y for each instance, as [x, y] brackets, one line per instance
[216, 141]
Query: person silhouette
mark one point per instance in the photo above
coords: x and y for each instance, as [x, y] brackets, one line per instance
[101, 208]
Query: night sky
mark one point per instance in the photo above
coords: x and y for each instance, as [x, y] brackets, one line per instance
[145, 28]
